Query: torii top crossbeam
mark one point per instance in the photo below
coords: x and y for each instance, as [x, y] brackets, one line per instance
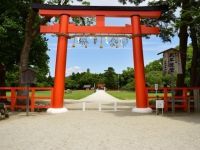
[100, 12]
[108, 11]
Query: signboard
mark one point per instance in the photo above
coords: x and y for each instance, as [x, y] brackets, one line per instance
[171, 61]
[159, 104]
[156, 87]
[28, 77]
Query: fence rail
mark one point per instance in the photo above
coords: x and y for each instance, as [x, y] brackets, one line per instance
[176, 98]
[12, 97]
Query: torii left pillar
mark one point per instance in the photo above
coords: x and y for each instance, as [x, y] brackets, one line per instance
[141, 94]
[61, 56]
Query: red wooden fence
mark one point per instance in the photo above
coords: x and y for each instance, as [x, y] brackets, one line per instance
[182, 97]
[11, 96]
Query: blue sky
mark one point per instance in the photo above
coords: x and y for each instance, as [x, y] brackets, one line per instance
[99, 59]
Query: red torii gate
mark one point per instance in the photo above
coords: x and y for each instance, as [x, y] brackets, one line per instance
[64, 28]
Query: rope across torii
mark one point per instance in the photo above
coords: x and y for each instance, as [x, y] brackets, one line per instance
[64, 28]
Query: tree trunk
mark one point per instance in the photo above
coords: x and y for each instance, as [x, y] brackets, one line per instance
[2, 79]
[31, 31]
[183, 35]
[24, 56]
[183, 39]
[195, 73]
[3, 84]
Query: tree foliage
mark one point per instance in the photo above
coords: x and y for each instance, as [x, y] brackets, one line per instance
[186, 24]
[155, 65]
[12, 36]
[110, 78]
[127, 81]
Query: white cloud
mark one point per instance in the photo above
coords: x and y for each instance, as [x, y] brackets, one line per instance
[74, 69]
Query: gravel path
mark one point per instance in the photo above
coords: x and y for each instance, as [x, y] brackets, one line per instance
[100, 96]
[106, 130]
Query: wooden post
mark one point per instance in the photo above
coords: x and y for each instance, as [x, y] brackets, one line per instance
[32, 99]
[13, 99]
[141, 94]
[165, 99]
[185, 99]
[59, 82]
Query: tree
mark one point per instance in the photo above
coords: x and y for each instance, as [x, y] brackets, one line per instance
[110, 78]
[39, 60]
[127, 79]
[11, 35]
[32, 25]
[154, 73]
[194, 26]
[155, 65]
[154, 77]
[13, 18]
[2, 79]
[71, 84]
[170, 24]
[21, 44]
[86, 79]
[188, 65]
[183, 39]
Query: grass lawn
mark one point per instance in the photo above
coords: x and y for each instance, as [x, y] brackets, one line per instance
[127, 95]
[76, 94]
[123, 95]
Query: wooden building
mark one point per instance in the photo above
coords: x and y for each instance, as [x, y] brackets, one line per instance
[100, 86]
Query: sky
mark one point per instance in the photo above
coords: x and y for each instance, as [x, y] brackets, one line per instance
[99, 59]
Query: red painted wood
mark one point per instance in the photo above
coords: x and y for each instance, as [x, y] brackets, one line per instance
[32, 99]
[93, 13]
[141, 95]
[61, 56]
[99, 29]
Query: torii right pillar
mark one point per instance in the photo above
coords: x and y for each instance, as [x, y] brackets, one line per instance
[140, 86]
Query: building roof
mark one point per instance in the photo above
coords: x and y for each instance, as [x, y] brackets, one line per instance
[86, 86]
[170, 49]
[109, 8]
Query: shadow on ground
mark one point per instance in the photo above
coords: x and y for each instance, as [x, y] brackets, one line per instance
[180, 116]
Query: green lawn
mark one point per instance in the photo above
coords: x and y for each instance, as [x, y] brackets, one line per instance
[76, 95]
[127, 95]
[123, 95]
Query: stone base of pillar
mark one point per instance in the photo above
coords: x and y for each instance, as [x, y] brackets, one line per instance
[56, 110]
[142, 110]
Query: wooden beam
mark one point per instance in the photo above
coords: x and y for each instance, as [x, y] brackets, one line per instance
[94, 13]
[98, 30]
[100, 21]
[49, 29]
